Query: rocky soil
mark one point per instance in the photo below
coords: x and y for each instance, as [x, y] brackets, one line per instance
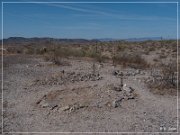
[42, 97]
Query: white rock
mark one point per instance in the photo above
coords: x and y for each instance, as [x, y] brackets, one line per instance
[65, 108]
[45, 105]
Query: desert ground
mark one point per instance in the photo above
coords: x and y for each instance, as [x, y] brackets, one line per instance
[60, 92]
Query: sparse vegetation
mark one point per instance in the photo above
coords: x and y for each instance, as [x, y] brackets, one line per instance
[162, 56]
[132, 60]
[119, 52]
[77, 80]
[166, 82]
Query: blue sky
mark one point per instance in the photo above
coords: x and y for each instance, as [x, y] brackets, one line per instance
[90, 20]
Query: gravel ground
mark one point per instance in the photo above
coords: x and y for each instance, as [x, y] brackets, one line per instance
[82, 105]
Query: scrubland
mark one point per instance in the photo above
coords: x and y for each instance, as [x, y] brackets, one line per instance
[90, 86]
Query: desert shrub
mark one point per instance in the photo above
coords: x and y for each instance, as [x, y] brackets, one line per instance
[14, 50]
[174, 50]
[18, 51]
[146, 52]
[57, 61]
[121, 47]
[36, 51]
[41, 51]
[97, 56]
[85, 48]
[48, 56]
[66, 52]
[152, 49]
[100, 58]
[174, 55]
[162, 56]
[163, 51]
[51, 57]
[91, 52]
[166, 83]
[168, 72]
[78, 52]
[29, 50]
[132, 60]
[161, 88]
[104, 58]
[155, 60]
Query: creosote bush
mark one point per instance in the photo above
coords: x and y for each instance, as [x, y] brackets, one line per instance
[132, 60]
[167, 82]
[65, 52]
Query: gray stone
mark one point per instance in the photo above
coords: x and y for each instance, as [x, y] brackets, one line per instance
[114, 104]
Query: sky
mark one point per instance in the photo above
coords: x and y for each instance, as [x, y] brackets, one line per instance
[90, 20]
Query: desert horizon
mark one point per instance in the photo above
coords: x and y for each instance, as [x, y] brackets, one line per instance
[90, 68]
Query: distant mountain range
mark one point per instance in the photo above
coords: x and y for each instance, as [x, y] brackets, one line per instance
[22, 40]
[132, 39]
[144, 39]
[47, 39]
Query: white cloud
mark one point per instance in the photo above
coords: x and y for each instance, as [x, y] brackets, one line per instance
[96, 13]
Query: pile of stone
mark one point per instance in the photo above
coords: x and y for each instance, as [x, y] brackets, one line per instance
[45, 103]
[125, 93]
[67, 78]
[85, 77]
[128, 72]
